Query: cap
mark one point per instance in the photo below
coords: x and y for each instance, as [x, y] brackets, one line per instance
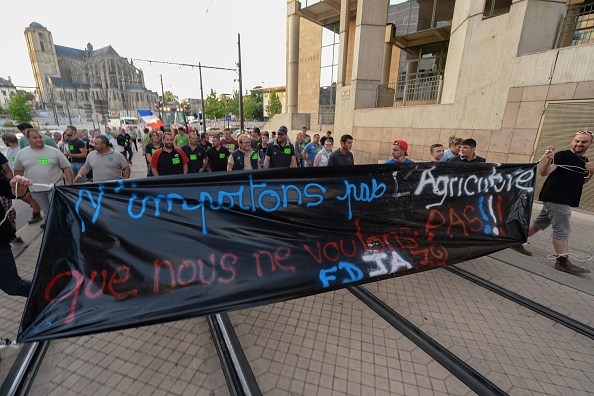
[282, 130]
[403, 145]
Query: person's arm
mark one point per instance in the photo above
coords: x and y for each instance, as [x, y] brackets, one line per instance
[83, 153]
[267, 162]
[23, 185]
[204, 166]
[127, 171]
[305, 157]
[318, 159]
[7, 171]
[545, 166]
[230, 163]
[590, 169]
[294, 162]
[155, 171]
[68, 175]
[82, 172]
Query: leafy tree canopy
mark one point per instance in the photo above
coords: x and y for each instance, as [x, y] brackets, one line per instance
[18, 109]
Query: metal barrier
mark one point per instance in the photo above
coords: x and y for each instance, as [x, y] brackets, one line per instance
[326, 115]
[410, 92]
[577, 27]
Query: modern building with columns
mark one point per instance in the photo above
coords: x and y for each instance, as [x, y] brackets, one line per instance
[514, 75]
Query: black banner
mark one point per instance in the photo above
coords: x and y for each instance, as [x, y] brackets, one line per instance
[143, 251]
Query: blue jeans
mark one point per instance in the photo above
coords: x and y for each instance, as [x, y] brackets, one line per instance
[10, 281]
[75, 166]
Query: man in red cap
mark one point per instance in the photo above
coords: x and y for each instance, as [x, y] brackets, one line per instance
[399, 153]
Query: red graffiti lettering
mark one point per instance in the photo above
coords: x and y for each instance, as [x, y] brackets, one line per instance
[472, 220]
[194, 271]
[119, 280]
[120, 276]
[101, 289]
[334, 246]
[79, 279]
[455, 220]
[233, 260]
[281, 254]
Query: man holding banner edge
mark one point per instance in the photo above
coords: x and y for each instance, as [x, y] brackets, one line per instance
[567, 171]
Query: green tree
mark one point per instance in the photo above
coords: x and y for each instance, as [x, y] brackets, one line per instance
[28, 95]
[18, 109]
[233, 105]
[248, 108]
[170, 97]
[257, 97]
[274, 105]
[213, 106]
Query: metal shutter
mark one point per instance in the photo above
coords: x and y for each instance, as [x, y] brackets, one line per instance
[561, 122]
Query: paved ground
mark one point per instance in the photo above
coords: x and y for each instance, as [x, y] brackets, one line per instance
[333, 344]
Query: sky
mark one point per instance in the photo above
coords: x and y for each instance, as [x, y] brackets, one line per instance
[181, 32]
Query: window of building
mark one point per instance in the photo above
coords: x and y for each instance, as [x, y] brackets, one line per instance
[420, 15]
[420, 77]
[495, 8]
[328, 74]
[41, 42]
[577, 27]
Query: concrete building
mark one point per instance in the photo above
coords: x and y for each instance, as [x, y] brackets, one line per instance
[7, 89]
[86, 82]
[514, 75]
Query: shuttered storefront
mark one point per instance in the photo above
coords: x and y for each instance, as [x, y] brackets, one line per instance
[561, 122]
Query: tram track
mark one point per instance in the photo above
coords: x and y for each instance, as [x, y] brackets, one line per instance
[532, 305]
[241, 380]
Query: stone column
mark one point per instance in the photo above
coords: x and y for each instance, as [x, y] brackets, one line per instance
[345, 18]
[369, 34]
[387, 54]
[293, 58]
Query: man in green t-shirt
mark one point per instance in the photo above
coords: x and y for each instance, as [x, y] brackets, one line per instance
[23, 142]
[181, 139]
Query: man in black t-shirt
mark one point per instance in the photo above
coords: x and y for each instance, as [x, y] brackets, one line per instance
[77, 150]
[195, 153]
[567, 173]
[216, 157]
[169, 160]
[280, 154]
[204, 141]
[342, 156]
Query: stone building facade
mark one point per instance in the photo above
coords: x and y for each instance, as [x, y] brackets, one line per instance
[7, 89]
[90, 82]
[515, 75]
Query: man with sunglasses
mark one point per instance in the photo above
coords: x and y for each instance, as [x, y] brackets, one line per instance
[567, 171]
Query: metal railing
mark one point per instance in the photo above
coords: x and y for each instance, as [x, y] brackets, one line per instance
[326, 115]
[410, 92]
[577, 27]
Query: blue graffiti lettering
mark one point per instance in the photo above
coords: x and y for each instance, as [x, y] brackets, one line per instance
[259, 197]
[365, 194]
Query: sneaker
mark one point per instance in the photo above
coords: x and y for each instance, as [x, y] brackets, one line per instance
[36, 218]
[17, 240]
[43, 225]
[521, 249]
[570, 268]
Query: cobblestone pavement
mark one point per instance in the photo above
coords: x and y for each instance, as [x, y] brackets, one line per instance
[333, 344]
